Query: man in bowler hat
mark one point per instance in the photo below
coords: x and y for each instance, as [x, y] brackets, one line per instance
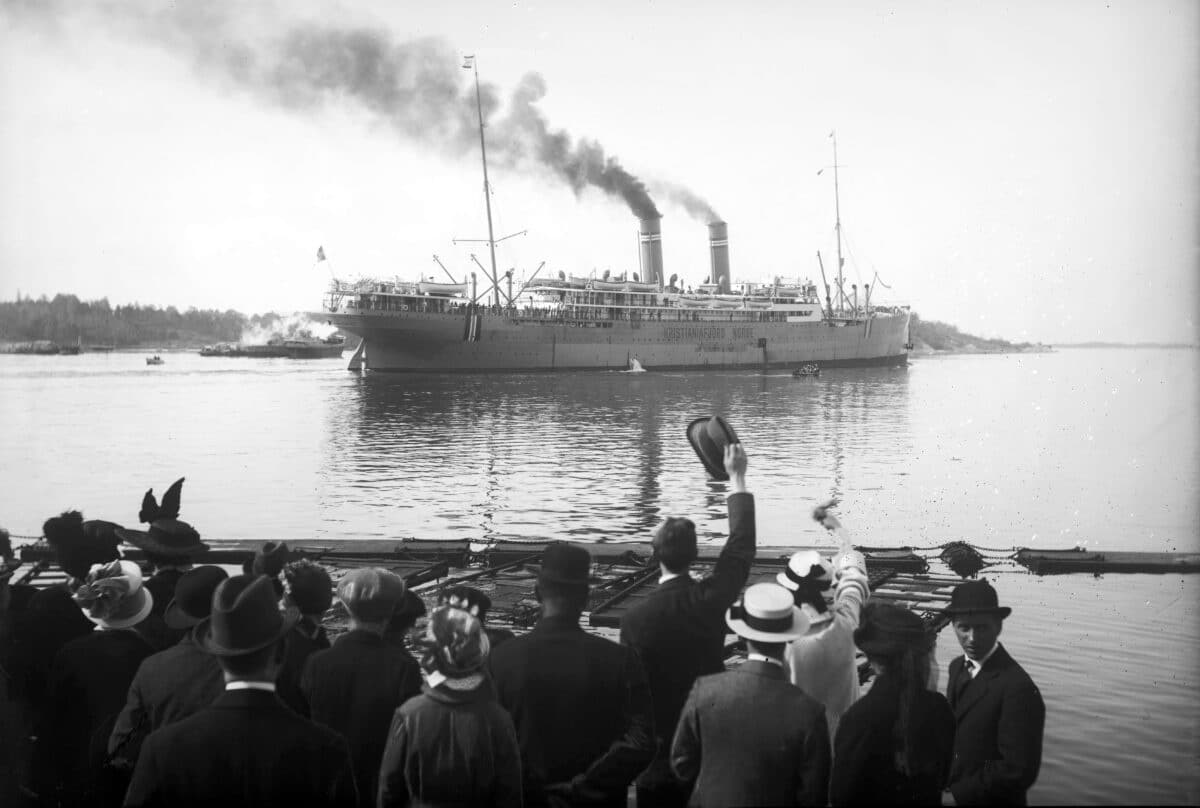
[679, 630]
[248, 748]
[580, 703]
[998, 710]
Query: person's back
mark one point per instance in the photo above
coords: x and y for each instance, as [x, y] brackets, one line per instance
[679, 631]
[748, 736]
[580, 703]
[355, 686]
[247, 748]
[453, 744]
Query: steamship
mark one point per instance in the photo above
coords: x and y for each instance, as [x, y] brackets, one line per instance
[577, 323]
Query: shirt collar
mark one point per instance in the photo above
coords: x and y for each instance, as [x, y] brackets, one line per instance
[243, 684]
[668, 576]
[764, 658]
[977, 664]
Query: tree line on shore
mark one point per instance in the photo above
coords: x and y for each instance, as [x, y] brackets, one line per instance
[67, 320]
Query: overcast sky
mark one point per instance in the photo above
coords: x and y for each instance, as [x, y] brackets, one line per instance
[1026, 170]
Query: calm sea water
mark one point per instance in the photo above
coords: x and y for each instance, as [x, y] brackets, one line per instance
[1092, 447]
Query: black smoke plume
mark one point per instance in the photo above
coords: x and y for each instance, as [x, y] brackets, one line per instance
[417, 87]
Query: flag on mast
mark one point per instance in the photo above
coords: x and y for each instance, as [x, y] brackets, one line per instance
[468, 62]
[321, 253]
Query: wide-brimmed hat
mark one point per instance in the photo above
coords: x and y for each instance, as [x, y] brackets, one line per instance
[307, 586]
[709, 437]
[270, 559]
[193, 596]
[410, 609]
[767, 613]
[371, 594]
[565, 563]
[168, 536]
[245, 617]
[888, 630]
[112, 596]
[976, 597]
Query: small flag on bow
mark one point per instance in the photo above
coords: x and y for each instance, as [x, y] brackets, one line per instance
[321, 253]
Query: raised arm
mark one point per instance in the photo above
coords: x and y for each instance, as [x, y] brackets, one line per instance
[733, 565]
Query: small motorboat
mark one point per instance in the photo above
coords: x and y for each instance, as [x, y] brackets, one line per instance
[154, 360]
[809, 369]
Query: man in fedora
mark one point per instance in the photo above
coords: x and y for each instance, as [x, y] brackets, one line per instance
[748, 736]
[171, 685]
[679, 630]
[998, 710]
[355, 686]
[580, 703]
[247, 748]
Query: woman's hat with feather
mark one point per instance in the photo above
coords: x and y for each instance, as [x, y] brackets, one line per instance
[168, 537]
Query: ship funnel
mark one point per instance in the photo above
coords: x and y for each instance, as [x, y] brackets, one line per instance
[718, 247]
[650, 245]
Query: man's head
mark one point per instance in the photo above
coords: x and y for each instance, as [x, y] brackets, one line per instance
[246, 628]
[371, 596]
[977, 616]
[675, 544]
[562, 584]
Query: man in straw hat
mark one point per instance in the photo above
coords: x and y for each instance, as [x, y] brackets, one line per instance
[355, 686]
[580, 703]
[172, 684]
[248, 748]
[748, 736]
[998, 710]
[679, 630]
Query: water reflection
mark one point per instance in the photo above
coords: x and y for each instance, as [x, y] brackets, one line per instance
[597, 456]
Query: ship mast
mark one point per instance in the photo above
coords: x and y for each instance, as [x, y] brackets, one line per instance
[837, 208]
[487, 191]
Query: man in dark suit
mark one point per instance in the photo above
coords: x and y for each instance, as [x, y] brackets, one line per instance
[248, 748]
[998, 710]
[749, 736]
[580, 703]
[355, 687]
[172, 684]
[679, 630]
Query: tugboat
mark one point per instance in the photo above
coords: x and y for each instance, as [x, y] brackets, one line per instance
[154, 360]
[808, 369]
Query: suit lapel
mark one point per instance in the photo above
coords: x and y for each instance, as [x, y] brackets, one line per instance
[982, 683]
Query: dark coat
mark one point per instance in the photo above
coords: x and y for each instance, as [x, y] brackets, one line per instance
[303, 641]
[451, 747]
[865, 771]
[86, 691]
[247, 749]
[999, 719]
[154, 628]
[679, 631]
[354, 688]
[49, 621]
[582, 710]
[169, 686]
[751, 737]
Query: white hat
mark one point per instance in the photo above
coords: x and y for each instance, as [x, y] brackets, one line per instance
[766, 613]
[113, 596]
[806, 565]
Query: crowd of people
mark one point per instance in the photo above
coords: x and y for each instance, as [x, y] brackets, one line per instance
[191, 686]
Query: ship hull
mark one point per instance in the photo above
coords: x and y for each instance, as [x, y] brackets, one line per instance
[454, 342]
